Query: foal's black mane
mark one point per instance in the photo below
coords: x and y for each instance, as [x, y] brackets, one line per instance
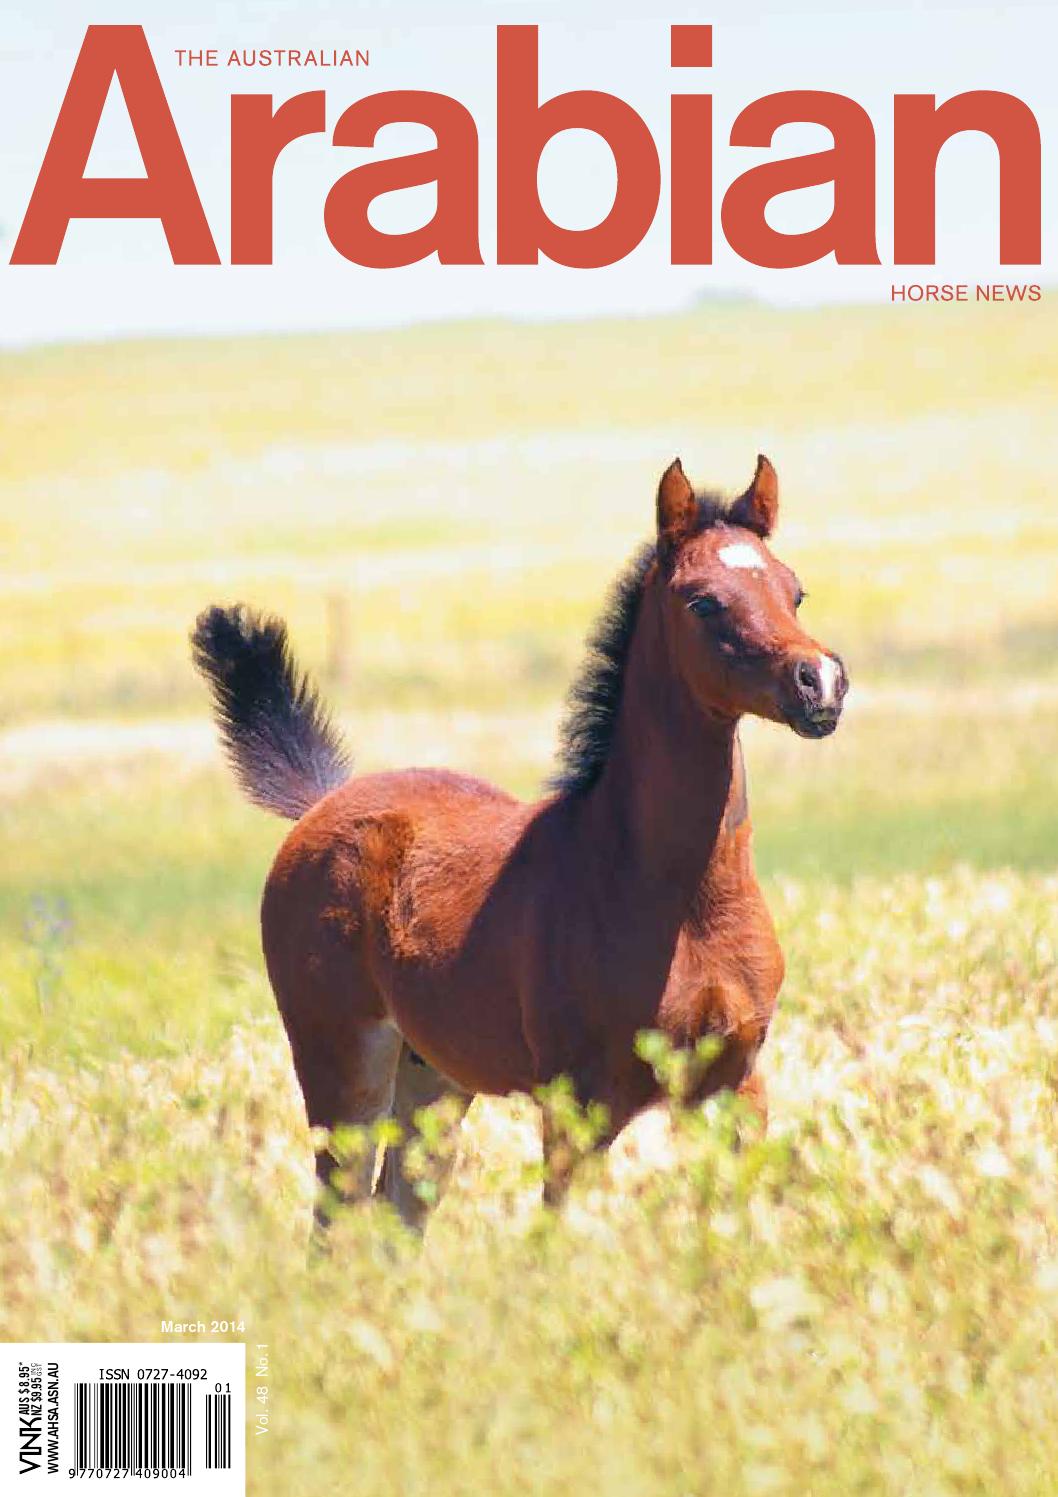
[592, 703]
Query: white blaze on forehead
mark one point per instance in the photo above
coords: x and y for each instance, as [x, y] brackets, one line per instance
[742, 556]
[829, 674]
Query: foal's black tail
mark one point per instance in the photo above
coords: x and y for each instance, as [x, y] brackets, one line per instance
[279, 738]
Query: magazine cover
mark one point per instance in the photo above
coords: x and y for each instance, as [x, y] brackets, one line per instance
[528, 723]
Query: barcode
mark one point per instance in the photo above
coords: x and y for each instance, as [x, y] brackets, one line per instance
[218, 1431]
[132, 1411]
[132, 1427]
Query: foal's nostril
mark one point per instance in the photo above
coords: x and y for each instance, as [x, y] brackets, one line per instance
[807, 677]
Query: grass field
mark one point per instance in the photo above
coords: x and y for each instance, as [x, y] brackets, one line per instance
[868, 1301]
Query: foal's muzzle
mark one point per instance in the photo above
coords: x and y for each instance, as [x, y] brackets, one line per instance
[818, 684]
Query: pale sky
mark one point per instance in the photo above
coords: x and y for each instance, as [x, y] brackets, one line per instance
[116, 278]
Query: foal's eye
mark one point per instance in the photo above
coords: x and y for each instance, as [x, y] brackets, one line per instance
[799, 597]
[706, 606]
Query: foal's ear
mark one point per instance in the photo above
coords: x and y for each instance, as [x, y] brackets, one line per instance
[758, 508]
[677, 509]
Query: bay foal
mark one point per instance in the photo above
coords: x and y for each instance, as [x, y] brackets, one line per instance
[425, 932]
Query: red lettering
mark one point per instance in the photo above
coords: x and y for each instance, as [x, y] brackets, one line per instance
[261, 131]
[62, 190]
[691, 173]
[523, 128]
[849, 164]
[921, 129]
[257, 138]
[452, 233]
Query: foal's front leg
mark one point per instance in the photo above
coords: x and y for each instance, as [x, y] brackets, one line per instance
[559, 1160]
[754, 1093]
[560, 1157]
[622, 1103]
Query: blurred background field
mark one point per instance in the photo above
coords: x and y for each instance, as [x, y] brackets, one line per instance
[437, 512]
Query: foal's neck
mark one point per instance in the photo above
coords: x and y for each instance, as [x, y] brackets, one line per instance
[669, 774]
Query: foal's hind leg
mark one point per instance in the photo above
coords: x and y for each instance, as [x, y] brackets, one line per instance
[418, 1085]
[347, 1081]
